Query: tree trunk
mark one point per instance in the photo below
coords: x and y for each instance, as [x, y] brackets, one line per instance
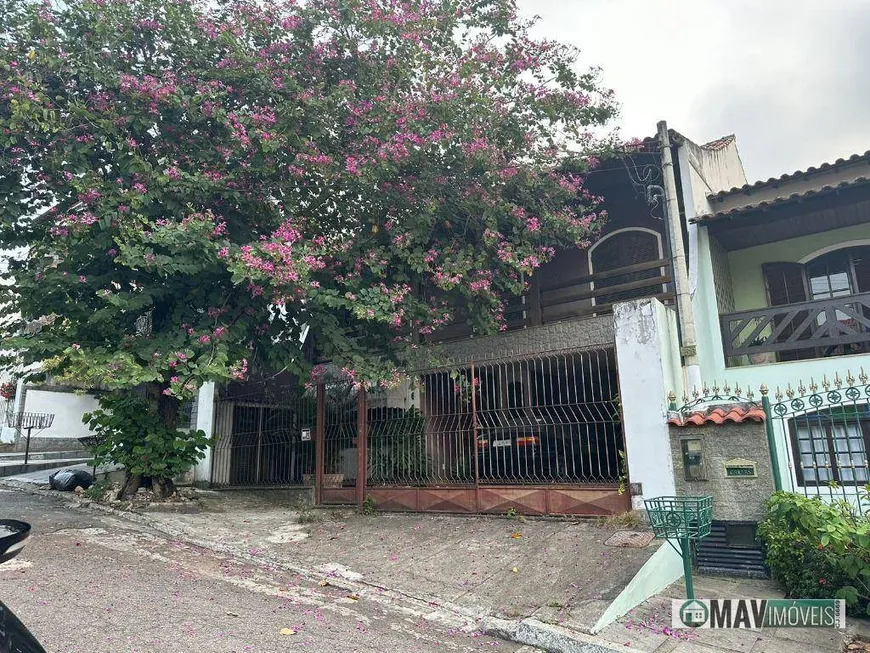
[167, 408]
[163, 488]
[131, 485]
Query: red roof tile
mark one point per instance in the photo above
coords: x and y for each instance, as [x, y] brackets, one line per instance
[736, 414]
[720, 143]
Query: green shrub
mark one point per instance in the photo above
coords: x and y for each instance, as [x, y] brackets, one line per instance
[134, 435]
[816, 549]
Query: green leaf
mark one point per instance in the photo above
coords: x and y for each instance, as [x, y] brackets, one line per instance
[849, 593]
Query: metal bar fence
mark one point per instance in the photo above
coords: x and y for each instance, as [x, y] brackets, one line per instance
[340, 433]
[548, 419]
[818, 434]
[265, 436]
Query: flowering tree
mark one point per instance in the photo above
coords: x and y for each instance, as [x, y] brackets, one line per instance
[199, 183]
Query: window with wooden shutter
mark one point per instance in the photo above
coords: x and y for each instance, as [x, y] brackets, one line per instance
[784, 283]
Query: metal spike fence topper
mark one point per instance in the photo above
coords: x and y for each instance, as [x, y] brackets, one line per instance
[30, 421]
[850, 380]
[863, 377]
[685, 519]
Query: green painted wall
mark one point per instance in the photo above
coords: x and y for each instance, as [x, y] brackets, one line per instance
[745, 264]
[749, 294]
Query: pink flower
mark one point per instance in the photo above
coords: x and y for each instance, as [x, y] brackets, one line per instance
[76, 346]
[204, 339]
[173, 379]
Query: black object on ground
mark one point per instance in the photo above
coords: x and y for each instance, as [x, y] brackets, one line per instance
[67, 480]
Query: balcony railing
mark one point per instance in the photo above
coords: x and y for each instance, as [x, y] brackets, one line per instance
[816, 329]
[590, 294]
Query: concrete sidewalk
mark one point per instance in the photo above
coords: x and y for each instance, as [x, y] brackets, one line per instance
[542, 582]
[648, 627]
[553, 570]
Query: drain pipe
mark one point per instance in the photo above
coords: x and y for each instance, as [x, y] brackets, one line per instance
[685, 313]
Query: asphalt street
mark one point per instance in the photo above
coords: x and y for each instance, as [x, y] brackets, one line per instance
[91, 583]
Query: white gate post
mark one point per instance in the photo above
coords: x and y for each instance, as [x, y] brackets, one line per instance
[205, 422]
[648, 362]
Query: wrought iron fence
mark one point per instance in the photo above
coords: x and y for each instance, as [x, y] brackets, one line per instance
[546, 419]
[818, 433]
[826, 431]
[264, 435]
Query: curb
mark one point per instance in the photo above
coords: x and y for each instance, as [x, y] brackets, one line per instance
[530, 632]
[548, 637]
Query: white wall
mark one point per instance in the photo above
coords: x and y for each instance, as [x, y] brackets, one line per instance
[205, 415]
[647, 355]
[67, 407]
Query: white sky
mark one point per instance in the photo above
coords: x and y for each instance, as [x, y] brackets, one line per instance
[789, 77]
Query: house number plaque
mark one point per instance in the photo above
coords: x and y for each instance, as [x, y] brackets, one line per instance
[740, 468]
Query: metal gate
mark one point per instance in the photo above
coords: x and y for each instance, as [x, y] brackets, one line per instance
[265, 435]
[540, 434]
[824, 432]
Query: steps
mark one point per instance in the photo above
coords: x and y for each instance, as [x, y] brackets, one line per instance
[12, 464]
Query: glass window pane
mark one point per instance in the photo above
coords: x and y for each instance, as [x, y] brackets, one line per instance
[813, 447]
[829, 275]
[841, 429]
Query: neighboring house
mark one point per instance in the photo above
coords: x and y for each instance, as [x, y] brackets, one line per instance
[783, 299]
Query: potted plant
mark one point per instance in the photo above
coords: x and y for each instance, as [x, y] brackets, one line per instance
[762, 357]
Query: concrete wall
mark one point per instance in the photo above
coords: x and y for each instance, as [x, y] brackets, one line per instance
[734, 499]
[646, 347]
[205, 417]
[589, 333]
[67, 407]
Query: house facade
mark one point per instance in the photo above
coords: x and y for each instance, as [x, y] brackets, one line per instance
[563, 413]
[781, 299]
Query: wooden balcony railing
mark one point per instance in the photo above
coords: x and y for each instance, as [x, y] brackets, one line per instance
[591, 294]
[815, 329]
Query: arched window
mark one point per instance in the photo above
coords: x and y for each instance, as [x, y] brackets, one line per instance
[626, 248]
[838, 273]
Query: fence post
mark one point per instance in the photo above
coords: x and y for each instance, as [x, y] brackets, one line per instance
[361, 447]
[474, 439]
[771, 438]
[319, 442]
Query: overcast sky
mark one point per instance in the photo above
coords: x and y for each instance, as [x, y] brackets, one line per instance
[789, 77]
